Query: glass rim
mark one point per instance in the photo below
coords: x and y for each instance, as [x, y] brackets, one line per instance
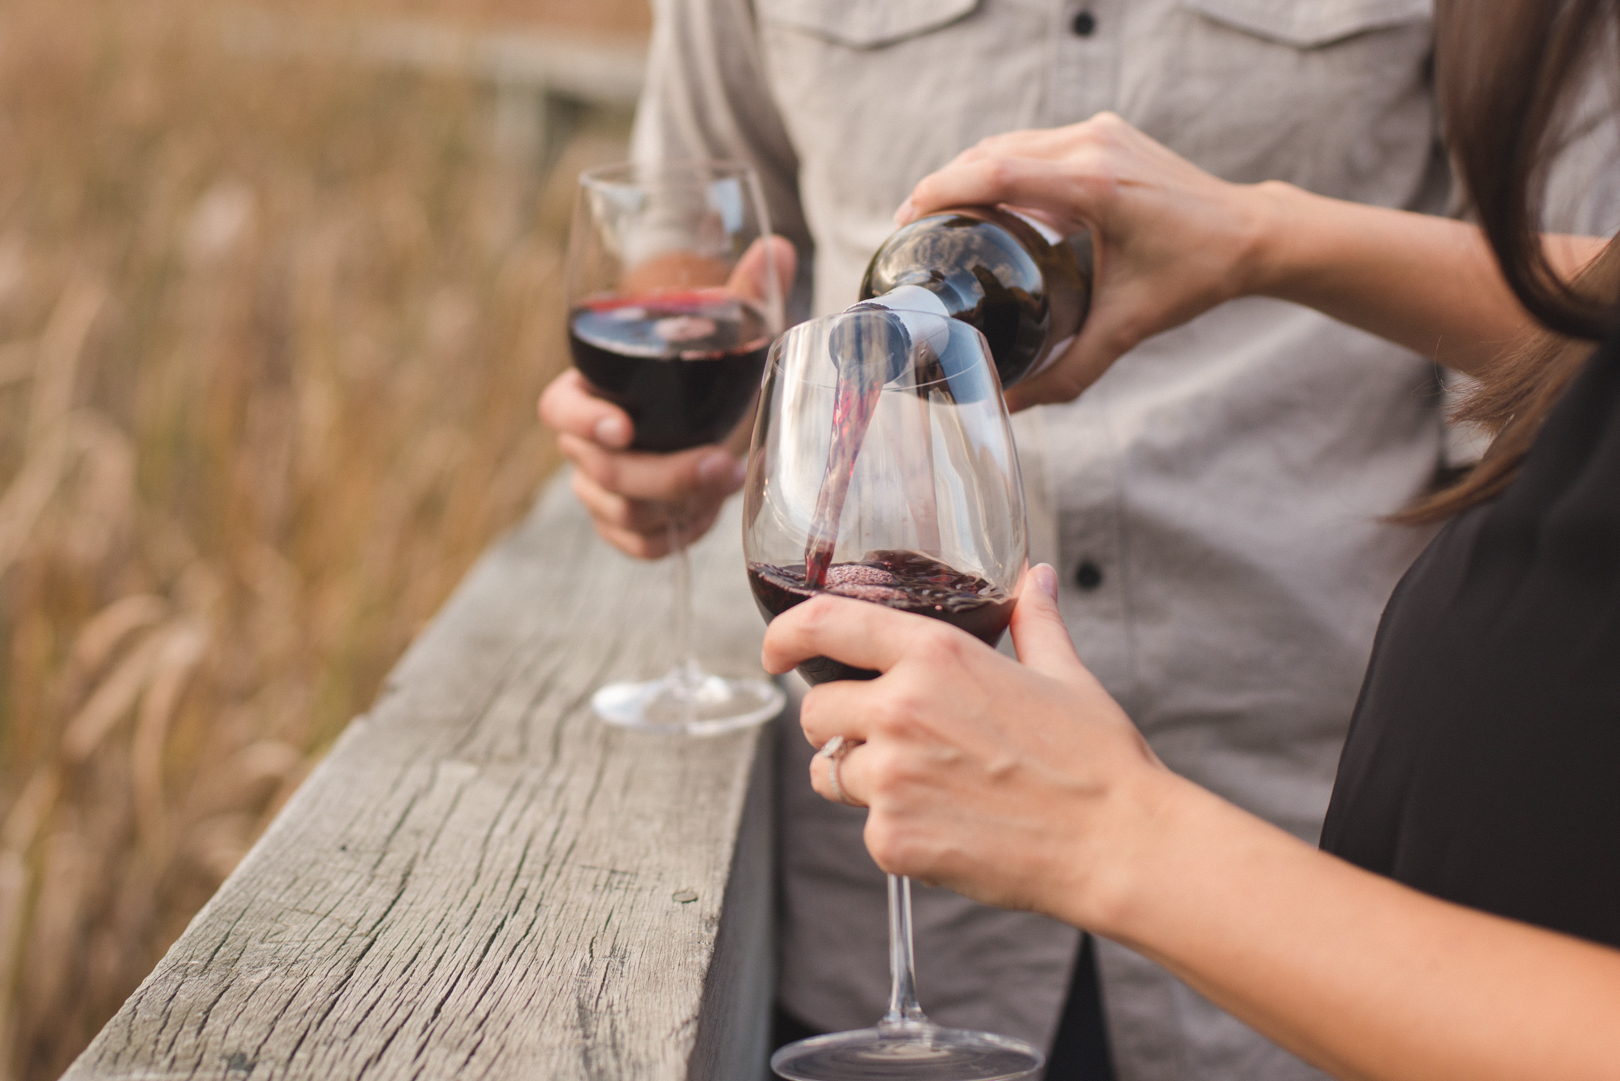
[778, 347]
[675, 169]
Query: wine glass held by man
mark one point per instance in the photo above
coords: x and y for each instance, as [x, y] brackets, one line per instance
[1461, 921]
[631, 494]
[674, 300]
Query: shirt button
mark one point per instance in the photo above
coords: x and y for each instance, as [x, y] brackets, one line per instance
[1085, 24]
[1088, 576]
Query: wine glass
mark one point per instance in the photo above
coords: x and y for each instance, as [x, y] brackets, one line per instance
[883, 468]
[673, 301]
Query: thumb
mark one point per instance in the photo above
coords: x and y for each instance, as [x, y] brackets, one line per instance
[767, 267]
[1038, 632]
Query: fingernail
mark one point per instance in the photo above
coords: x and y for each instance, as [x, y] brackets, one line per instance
[1045, 579]
[612, 432]
[905, 212]
[715, 466]
[739, 474]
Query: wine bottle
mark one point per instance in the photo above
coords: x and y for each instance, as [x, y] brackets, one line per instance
[1016, 281]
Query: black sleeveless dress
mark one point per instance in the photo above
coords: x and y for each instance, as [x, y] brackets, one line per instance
[1483, 761]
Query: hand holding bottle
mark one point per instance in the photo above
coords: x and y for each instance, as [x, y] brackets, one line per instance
[1170, 241]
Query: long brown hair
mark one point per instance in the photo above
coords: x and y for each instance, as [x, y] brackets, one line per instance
[1508, 74]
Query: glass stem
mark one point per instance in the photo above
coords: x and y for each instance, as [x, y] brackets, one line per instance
[903, 1008]
[685, 672]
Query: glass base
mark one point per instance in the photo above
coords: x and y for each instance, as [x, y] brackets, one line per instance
[690, 703]
[908, 1052]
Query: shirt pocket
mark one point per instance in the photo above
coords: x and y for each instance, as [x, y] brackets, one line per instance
[1331, 95]
[864, 24]
[1311, 24]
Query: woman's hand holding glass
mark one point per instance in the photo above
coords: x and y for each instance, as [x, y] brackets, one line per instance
[1170, 241]
[1000, 779]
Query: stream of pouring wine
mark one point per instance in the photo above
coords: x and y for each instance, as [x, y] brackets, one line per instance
[854, 402]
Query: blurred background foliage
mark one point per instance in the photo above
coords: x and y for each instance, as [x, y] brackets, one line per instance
[271, 333]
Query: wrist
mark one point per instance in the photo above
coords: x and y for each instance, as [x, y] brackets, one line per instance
[1270, 213]
[1178, 869]
[1123, 858]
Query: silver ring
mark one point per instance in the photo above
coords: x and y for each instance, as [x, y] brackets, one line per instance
[834, 751]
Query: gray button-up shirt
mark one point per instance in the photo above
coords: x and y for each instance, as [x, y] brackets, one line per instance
[1212, 504]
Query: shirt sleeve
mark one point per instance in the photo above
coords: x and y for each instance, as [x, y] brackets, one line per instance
[707, 96]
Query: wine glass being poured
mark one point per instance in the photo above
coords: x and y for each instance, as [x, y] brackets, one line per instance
[883, 469]
[674, 299]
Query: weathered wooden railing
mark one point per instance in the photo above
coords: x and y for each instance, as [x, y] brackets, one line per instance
[541, 77]
[482, 881]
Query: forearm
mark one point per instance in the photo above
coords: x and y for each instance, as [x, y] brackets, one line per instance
[1428, 283]
[1363, 976]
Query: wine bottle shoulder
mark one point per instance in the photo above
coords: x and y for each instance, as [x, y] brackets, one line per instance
[1017, 283]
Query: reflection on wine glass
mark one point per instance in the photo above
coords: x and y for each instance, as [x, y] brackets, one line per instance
[883, 468]
[673, 301]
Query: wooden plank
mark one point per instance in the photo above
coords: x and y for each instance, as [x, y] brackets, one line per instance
[481, 880]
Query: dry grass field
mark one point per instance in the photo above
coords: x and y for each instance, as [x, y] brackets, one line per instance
[270, 338]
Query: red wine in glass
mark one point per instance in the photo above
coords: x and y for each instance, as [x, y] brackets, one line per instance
[684, 364]
[856, 397]
[868, 347]
[907, 581]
